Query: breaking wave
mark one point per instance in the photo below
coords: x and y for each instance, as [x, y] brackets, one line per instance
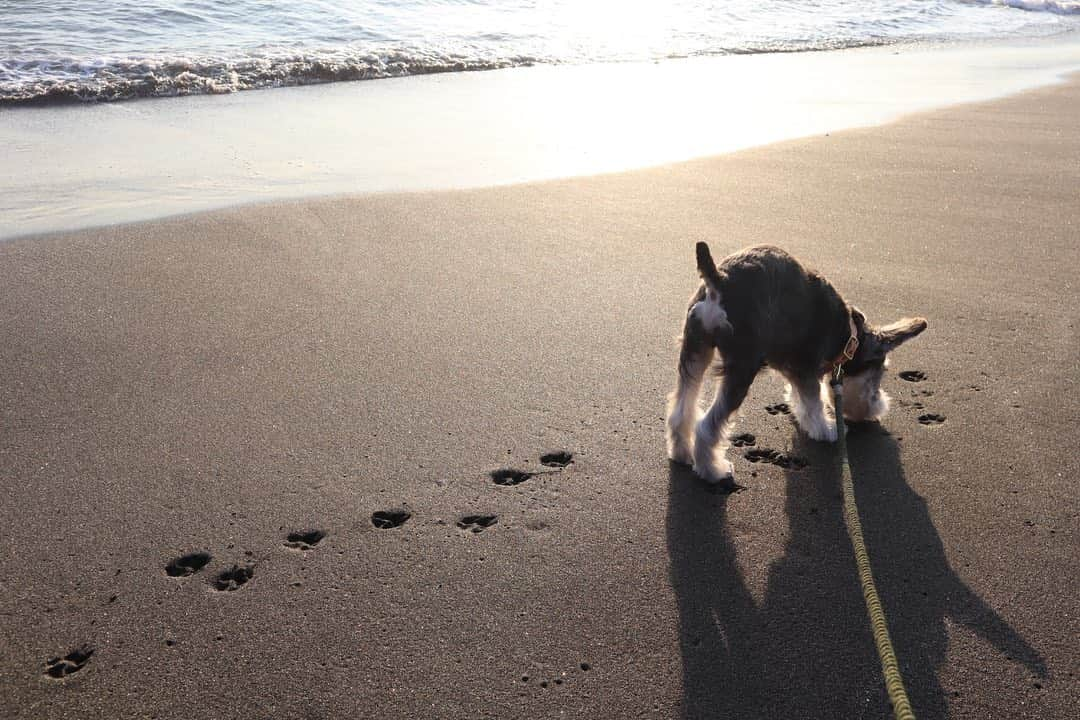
[125, 79]
[105, 50]
[1062, 7]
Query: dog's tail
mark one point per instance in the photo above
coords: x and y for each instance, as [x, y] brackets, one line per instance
[710, 311]
[707, 268]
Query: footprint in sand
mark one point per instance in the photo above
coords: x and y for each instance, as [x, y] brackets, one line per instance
[509, 476]
[778, 409]
[775, 457]
[477, 523]
[73, 662]
[234, 578]
[187, 564]
[304, 539]
[561, 679]
[743, 440]
[913, 375]
[386, 519]
[559, 458]
[931, 419]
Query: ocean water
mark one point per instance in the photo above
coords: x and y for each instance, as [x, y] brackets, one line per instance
[102, 50]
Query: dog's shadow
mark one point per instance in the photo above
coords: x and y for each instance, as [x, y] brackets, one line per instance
[805, 649]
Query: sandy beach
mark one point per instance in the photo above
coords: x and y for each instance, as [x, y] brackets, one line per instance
[214, 383]
[70, 167]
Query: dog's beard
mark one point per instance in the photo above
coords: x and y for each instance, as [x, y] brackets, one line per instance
[864, 399]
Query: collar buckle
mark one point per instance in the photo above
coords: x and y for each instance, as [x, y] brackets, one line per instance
[848, 353]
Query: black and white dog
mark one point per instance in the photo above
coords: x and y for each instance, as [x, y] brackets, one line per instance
[762, 307]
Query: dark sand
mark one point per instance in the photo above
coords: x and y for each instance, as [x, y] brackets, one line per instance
[215, 383]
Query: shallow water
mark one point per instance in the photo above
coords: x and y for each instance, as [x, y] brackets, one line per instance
[78, 166]
[119, 49]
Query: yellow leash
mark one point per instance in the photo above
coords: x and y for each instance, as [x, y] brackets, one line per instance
[894, 683]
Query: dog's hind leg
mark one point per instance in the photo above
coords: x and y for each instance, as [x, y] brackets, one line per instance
[709, 461]
[809, 398]
[695, 356]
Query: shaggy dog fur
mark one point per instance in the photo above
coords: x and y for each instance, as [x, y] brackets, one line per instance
[762, 307]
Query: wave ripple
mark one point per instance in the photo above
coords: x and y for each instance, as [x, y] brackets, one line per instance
[126, 79]
[102, 50]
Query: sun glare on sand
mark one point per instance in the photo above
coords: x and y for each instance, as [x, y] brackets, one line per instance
[477, 129]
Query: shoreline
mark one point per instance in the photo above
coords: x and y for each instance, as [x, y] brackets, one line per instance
[216, 383]
[79, 167]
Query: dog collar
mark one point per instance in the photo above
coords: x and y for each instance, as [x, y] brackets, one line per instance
[836, 367]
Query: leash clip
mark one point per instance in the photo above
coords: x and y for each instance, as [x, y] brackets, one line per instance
[847, 354]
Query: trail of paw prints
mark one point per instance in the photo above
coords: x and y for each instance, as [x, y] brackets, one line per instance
[558, 680]
[557, 458]
[227, 580]
[73, 662]
[918, 376]
[186, 565]
[775, 457]
[509, 476]
[388, 519]
[477, 523]
[778, 409]
[233, 578]
[304, 539]
[743, 440]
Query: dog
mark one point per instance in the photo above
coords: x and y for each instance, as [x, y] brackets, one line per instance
[761, 307]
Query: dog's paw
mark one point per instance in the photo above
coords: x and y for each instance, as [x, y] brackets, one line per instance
[824, 431]
[721, 474]
[682, 453]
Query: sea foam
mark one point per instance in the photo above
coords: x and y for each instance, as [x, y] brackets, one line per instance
[102, 50]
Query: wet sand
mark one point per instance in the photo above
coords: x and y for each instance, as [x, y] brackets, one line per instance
[224, 383]
[71, 167]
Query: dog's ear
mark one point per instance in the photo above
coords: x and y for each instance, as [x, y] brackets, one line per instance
[858, 317]
[895, 334]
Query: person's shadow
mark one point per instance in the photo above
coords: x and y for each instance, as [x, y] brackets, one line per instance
[806, 650]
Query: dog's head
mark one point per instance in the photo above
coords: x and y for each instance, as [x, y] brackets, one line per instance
[863, 397]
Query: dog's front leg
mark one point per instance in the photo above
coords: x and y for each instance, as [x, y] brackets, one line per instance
[809, 396]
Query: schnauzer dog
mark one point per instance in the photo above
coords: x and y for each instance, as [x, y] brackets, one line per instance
[762, 307]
